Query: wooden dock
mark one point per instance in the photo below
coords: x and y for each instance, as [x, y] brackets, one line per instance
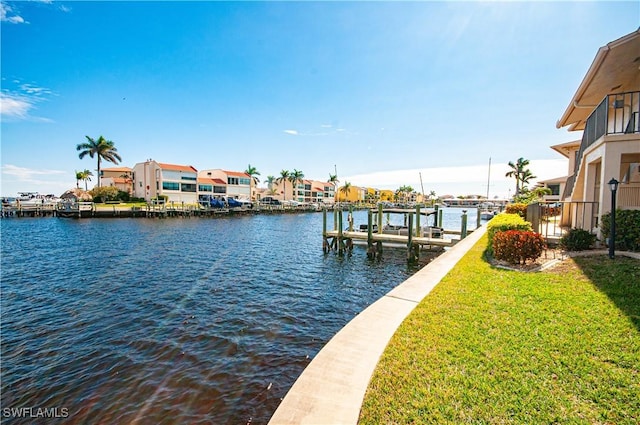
[374, 235]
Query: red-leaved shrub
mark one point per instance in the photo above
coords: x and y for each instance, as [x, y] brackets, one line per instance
[517, 246]
[519, 208]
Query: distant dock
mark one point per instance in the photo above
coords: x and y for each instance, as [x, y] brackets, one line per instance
[412, 235]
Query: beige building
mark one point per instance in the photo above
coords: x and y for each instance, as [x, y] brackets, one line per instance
[606, 108]
[119, 177]
[305, 191]
[238, 184]
[177, 182]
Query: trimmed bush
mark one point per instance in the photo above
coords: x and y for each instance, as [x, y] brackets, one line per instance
[627, 229]
[519, 208]
[516, 246]
[503, 222]
[577, 240]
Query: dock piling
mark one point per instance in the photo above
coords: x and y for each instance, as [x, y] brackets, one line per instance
[463, 230]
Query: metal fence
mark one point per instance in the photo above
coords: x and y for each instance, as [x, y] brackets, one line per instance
[553, 219]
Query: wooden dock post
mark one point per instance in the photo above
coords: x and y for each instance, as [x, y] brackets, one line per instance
[463, 230]
[418, 229]
[379, 243]
[340, 240]
[410, 253]
[479, 217]
[350, 218]
[370, 249]
[325, 243]
[440, 219]
[436, 216]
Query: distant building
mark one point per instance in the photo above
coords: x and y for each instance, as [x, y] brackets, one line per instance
[238, 184]
[119, 177]
[305, 191]
[177, 182]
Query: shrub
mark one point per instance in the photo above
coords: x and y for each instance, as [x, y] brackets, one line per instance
[104, 193]
[577, 240]
[627, 229]
[519, 208]
[503, 222]
[516, 246]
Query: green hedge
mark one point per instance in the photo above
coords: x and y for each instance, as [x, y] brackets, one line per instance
[627, 229]
[503, 222]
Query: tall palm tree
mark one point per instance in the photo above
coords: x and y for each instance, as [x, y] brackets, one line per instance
[78, 178]
[284, 176]
[102, 148]
[517, 170]
[295, 177]
[333, 179]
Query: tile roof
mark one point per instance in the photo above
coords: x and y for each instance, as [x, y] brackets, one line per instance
[117, 169]
[236, 173]
[211, 181]
[173, 167]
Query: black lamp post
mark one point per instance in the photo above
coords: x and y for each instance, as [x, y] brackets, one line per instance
[613, 185]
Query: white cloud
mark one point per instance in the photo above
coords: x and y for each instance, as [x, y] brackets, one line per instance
[459, 180]
[27, 174]
[20, 179]
[14, 106]
[18, 104]
[292, 132]
[8, 15]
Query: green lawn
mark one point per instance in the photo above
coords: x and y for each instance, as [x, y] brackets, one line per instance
[497, 346]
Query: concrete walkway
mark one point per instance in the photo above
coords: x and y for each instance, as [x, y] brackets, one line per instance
[332, 387]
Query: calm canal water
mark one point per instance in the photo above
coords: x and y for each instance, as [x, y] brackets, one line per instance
[172, 321]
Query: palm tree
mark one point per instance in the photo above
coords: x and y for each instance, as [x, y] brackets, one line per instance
[346, 189]
[85, 176]
[270, 181]
[253, 172]
[517, 170]
[295, 177]
[526, 177]
[102, 148]
[78, 178]
[284, 176]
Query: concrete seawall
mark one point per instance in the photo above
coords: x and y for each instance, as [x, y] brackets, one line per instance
[332, 387]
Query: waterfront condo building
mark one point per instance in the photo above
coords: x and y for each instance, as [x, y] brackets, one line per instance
[238, 184]
[177, 182]
[606, 108]
[305, 190]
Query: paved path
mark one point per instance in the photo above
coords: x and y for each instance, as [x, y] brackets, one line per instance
[331, 389]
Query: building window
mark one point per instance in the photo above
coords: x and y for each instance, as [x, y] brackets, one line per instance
[232, 180]
[243, 180]
[219, 189]
[188, 187]
[189, 178]
[555, 189]
[205, 188]
[170, 186]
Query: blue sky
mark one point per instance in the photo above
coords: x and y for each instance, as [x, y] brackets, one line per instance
[382, 91]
